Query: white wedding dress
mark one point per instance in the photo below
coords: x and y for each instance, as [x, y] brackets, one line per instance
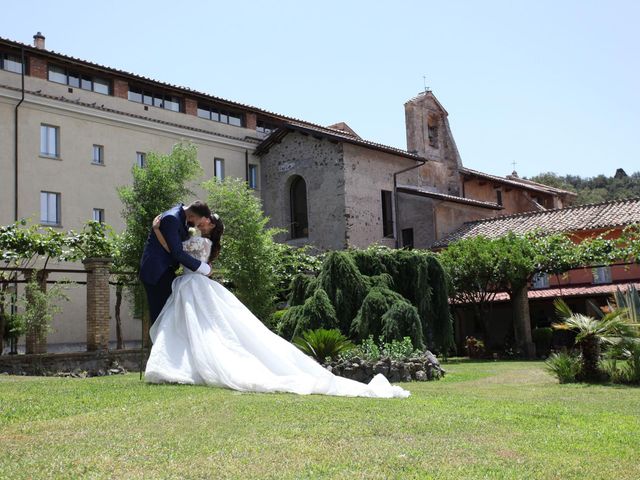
[204, 335]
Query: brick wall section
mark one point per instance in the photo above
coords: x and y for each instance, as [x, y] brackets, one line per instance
[250, 121]
[38, 67]
[97, 303]
[120, 88]
[190, 107]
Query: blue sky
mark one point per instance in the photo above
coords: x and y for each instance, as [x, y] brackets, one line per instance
[551, 85]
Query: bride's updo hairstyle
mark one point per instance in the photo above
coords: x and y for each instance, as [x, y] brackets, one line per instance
[215, 236]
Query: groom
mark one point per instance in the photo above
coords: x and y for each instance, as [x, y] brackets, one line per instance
[157, 266]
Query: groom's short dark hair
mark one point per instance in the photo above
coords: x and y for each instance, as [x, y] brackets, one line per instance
[199, 208]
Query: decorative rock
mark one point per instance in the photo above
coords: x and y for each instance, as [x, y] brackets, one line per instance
[421, 376]
[381, 367]
[421, 368]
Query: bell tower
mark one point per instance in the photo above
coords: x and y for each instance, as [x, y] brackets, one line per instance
[429, 135]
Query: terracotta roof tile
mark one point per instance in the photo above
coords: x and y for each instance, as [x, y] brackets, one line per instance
[584, 291]
[605, 215]
[518, 183]
[412, 190]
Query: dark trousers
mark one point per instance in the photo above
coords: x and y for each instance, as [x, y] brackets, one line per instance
[158, 294]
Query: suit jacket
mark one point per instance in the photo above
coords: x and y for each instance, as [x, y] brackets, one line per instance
[155, 259]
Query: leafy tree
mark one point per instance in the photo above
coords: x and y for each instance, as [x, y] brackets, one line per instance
[475, 280]
[249, 256]
[156, 187]
[594, 189]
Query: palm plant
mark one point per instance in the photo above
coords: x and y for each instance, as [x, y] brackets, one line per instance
[321, 344]
[592, 333]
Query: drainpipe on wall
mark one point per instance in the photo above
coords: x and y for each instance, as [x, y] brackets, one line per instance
[15, 130]
[396, 233]
[246, 164]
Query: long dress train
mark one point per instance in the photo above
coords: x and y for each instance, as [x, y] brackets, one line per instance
[205, 335]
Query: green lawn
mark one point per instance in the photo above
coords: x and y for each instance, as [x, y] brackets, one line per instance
[484, 420]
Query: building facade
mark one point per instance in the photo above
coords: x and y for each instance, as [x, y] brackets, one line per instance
[71, 131]
[582, 288]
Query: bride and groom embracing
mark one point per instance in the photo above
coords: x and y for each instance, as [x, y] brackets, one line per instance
[202, 334]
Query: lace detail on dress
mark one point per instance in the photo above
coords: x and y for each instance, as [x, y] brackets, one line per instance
[198, 247]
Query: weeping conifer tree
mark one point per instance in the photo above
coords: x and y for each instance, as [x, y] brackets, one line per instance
[378, 291]
[299, 286]
[402, 320]
[345, 286]
[317, 312]
[439, 331]
[368, 321]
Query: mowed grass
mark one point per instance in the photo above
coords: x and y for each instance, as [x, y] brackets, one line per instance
[484, 420]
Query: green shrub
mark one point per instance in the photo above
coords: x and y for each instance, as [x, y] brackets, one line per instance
[400, 349]
[291, 262]
[322, 344]
[276, 319]
[542, 337]
[474, 347]
[564, 366]
[622, 364]
[368, 349]
[402, 320]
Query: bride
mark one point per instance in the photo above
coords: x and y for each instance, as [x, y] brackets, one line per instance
[205, 335]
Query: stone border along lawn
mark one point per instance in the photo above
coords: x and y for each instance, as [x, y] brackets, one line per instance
[482, 420]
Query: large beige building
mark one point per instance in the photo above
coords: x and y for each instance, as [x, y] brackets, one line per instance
[71, 130]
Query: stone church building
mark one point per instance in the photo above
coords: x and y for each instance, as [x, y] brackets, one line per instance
[334, 190]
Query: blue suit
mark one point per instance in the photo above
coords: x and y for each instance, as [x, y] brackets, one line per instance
[157, 266]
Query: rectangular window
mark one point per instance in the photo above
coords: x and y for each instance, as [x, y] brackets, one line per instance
[540, 280]
[218, 168]
[50, 208]
[98, 215]
[57, 74]
[387, 213]
[499, 197]
[220, 115]
[157, 99]
[49, 141]
[101, 85]
[141, 159]
[74, 79]
[11, 63]
[407, 238]
[98, 155]
[264, 127]
[601, 275]
[253, 176]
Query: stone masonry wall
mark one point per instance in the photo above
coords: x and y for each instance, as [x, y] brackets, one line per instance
[320, 163]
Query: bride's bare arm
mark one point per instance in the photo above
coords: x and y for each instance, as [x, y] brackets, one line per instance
[159, 236]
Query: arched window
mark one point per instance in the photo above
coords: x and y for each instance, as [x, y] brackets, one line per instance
[298, 201]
